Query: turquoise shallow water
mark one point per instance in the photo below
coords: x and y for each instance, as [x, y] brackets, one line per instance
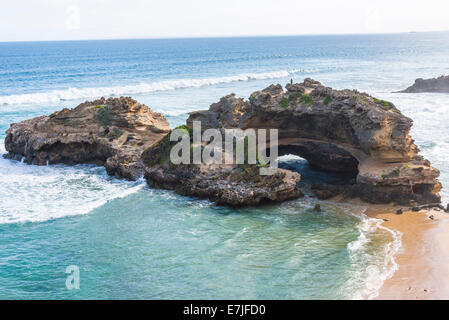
[133, 242]
[155, 244]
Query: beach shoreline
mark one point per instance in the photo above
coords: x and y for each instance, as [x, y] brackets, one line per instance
[422, 259]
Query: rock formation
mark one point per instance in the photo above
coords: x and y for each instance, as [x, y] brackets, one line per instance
[341, 131]
[235, 185]
[111, 132]
[440, 85]
[337, 131]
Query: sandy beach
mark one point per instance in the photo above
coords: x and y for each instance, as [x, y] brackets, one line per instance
[423, 258]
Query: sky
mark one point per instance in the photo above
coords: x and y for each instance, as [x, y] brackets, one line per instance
[37, 20]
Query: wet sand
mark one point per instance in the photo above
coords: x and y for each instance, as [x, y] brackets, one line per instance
[423, 258]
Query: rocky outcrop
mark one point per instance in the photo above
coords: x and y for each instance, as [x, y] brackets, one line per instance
[341, 131]
[111, 132]
[337, 131]
[440, 85]
[235, 185]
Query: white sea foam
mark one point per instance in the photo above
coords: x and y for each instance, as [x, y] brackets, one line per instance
[81, 93]
[31, 193]
[364, 269]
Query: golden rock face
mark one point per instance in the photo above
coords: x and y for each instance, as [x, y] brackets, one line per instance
[338, 131]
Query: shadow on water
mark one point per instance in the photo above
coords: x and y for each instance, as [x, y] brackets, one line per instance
[310, 176]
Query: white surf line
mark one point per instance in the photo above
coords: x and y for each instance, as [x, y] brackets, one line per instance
[80, 93]
[372, 288]
[391, 249]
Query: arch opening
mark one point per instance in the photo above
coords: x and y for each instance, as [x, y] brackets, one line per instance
[319, 163]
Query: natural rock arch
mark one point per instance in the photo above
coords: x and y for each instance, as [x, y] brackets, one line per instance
[340, 131]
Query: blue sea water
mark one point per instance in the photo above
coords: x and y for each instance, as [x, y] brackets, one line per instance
[133, 242]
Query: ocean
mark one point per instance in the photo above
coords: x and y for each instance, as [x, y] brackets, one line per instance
[130, 241]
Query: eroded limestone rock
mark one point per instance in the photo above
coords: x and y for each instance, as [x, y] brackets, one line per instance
[235, 185]
[343, 131]
[111, 132]
[337, 131]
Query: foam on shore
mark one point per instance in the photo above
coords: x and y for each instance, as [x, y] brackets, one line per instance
[365, 268]
[33, 193]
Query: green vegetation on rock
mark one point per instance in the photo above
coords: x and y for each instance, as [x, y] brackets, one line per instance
[185, 128]
[305, 98]
[386, 104]
[284, 103]
[293, 97]
[103, 116]
[160, 153]
[114, 134]
[395, 172]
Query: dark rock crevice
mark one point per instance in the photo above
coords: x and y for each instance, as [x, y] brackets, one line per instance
[323, 157]
[76, 152]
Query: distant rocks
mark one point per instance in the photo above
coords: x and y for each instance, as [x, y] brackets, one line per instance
[440, 85]
[111, 132]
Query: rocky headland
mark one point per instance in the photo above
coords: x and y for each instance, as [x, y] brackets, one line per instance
[439, 85]
[343, 131]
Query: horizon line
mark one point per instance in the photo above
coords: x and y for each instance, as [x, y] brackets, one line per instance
[227, 36]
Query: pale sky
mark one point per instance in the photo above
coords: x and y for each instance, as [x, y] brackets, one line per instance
[23, 20]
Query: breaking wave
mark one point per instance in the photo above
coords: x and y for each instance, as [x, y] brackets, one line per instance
[81, 93]
[32, 193]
